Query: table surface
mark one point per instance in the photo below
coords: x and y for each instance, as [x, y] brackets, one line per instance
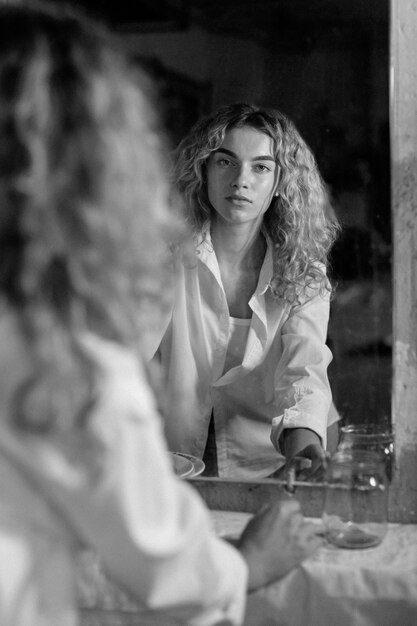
[370, 587]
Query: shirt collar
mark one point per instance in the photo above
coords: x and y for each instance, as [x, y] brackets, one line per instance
[205, 252]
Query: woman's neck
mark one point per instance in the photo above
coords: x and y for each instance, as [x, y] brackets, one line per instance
[237, 246]
[240, 254]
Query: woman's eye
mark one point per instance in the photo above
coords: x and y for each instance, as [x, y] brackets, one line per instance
[224, 162]
[262, 168]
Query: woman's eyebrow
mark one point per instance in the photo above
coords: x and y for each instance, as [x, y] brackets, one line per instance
[261, 157]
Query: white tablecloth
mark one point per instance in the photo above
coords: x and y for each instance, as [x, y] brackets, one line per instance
[337, 587]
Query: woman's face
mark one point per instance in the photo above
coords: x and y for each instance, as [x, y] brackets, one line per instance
[242, 176]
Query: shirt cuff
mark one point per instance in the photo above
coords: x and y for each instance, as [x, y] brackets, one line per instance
[294, 418]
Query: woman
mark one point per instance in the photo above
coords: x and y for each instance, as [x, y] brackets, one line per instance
[83, 231]
[246, 340]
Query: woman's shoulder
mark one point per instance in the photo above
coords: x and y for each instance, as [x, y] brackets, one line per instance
[122, 376]
[110, 355]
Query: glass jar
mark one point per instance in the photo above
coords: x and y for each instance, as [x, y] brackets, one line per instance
[356, 500]
[371, 437]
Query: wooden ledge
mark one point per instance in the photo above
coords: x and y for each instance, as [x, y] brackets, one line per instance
[248, 496]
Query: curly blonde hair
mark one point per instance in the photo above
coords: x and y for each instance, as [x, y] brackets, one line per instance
[84, 206]
[299, 221]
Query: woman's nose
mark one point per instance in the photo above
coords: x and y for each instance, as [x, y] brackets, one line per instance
[240, 178]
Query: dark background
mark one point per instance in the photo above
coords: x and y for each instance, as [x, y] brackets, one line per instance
[325, 63]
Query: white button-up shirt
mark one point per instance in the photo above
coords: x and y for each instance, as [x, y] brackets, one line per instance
[281, 382]
[112, 486]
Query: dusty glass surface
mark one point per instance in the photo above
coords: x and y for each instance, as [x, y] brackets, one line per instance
[325, 64]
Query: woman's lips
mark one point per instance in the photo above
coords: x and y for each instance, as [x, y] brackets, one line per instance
[238, 199]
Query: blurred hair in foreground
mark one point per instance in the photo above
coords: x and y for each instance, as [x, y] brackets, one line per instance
[85, 216]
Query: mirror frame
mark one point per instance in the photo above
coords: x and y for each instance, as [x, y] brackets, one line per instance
[248, 496]
[403, 124]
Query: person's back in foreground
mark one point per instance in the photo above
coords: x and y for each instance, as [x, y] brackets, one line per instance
[83, 228]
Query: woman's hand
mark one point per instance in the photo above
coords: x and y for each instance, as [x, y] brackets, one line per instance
[310, 463]
[275, 541]
[304, 453]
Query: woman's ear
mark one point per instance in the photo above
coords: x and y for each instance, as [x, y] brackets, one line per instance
[277, 180]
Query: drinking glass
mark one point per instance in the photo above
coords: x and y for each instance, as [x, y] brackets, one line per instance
[371, 437]
[356, 500]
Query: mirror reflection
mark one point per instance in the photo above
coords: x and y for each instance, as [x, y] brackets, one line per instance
[325, 66]
[249, 323]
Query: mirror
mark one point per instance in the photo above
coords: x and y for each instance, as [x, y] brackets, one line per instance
[325, 64]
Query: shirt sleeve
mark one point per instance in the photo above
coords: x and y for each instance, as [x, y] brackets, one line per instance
[116, 488]
[302, 389]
